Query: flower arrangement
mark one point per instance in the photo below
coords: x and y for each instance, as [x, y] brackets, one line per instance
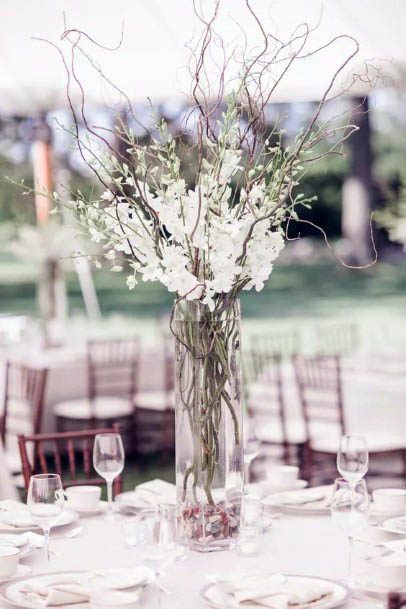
[208, 240]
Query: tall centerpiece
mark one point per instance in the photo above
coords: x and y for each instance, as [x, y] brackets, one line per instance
[204, 209]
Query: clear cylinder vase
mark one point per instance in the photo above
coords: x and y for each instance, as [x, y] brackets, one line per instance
[209, 447]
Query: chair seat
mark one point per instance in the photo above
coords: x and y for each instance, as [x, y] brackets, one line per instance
[376, 443]
[271, 432]
[155, 400]
[105, 407]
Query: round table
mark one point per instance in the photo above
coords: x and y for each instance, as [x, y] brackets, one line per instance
[305, 545]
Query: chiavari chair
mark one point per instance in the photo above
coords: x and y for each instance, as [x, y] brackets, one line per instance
[267, 405]
[112, 367]
[22, 407]
[154, 410]
[69, 454]
[319, 381]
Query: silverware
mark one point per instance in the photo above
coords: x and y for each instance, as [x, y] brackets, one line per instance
[69, 535]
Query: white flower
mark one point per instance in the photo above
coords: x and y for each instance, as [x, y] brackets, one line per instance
[108, 195]
[96, 235]
[131, 282]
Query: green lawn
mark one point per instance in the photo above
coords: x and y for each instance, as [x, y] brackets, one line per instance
[320, 290]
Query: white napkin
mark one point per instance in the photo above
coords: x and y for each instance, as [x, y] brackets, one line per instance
[156, 492]
[273, 591]
[79, 589]
[56, 594]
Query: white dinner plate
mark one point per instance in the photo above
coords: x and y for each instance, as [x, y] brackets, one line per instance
[395, 525]
[129, 501]
[141, 577]
[319, 506]
[67, 517]
[265, 488]
[339, 595]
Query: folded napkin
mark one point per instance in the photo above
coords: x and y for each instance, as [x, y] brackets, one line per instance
[155, 492]
[78, 589]
[55, 595]
[273, 591]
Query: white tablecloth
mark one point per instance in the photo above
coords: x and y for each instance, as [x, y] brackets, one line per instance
[298, 545]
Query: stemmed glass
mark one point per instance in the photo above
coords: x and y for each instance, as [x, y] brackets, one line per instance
[108, 461]
[252, 445]
[349, 509]
[45, 501]
[352, 458]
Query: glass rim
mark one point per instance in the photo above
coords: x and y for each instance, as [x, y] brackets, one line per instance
[45, 476]
[108, 435]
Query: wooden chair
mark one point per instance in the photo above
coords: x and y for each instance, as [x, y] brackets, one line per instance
[112, 367]
[396, 600]
[267, 406]
[63, 453]
[319, 381]
[154, 412]
[22, 408]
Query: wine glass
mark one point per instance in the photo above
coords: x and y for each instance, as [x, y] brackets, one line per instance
[352, 458]
[349, 509]
[252, 445]
[108, 461]
[45, 501]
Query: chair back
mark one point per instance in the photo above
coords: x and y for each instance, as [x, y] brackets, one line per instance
[113, 367]
[23, 398]
[320, 391]
[69, 454]
[396, 600]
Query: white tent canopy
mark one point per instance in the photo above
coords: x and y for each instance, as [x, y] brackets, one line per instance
[152, 60]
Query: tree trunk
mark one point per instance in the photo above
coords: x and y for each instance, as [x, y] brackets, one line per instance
[357, 187]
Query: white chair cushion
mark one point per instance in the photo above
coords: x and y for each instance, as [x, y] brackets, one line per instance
[376, 443]
[154, 400]
[105, 407]
[271, 431]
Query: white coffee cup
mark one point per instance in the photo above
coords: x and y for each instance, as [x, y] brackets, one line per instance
[9, 559]
[389, 571]
[84, 497]
[390, 500]
[283, 476]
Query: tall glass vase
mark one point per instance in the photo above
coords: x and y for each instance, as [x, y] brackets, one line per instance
[209, 447]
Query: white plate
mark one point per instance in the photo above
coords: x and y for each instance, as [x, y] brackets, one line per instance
[340, 594]
[369, 588]
[102, 506]
[266, 488]
[67, 517]
[317, 507]
[13, 539]
[129, 501]
[11, 592]
[395, 525]
[21, 571]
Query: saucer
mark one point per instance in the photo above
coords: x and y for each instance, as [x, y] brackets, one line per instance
[21, 571]
[84, 511]
[265, 487]
[366, 586]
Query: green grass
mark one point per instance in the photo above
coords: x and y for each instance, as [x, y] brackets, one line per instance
[320, 290]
